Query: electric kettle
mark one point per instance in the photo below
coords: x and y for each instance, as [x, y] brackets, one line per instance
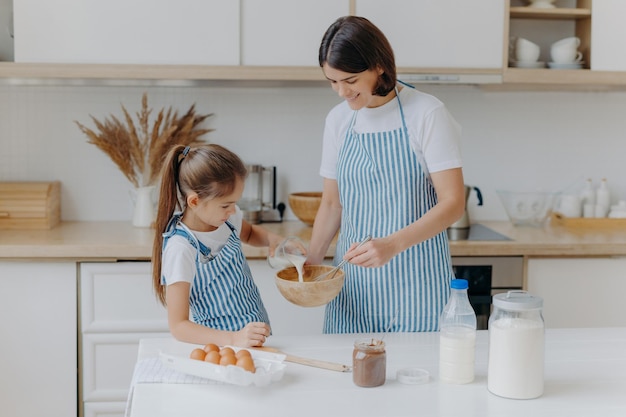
[459, 230]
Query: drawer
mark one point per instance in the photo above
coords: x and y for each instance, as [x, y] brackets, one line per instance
[107, 364]
[117, 297]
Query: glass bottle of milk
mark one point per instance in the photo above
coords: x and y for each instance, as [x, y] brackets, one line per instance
[516, 346]
[457, 336]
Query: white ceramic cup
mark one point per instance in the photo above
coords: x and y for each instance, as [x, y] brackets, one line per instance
[566, 51]
[526, 51]
[565, 54]
[572, 40]
[570, 205]
[542, 4]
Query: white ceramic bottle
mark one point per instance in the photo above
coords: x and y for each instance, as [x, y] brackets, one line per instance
[457, 336]
[588, 194]
[603, 199]
[588, 199]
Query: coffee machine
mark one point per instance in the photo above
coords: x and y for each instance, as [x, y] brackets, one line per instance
[258, 201]
[460, 229]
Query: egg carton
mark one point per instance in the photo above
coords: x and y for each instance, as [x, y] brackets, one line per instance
[270, 367]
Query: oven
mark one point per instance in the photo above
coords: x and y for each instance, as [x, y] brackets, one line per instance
[488, 276]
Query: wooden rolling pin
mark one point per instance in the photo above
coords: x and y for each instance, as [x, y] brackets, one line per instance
[309, 362]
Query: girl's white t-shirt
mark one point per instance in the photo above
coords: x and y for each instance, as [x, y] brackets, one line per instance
[432, 129]
[179, 256]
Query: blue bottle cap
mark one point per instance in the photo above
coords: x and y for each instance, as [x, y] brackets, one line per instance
[459, 284]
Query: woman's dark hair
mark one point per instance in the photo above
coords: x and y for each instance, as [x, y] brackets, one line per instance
[354, 44]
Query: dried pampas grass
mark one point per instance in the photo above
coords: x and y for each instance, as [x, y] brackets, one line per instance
[139, 151]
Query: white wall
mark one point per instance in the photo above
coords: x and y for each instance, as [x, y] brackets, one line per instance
[510, 139]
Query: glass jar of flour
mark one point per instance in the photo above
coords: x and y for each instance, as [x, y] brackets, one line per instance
[516, 346]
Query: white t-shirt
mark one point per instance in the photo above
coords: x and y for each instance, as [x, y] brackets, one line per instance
[431, 128]
[179, 256]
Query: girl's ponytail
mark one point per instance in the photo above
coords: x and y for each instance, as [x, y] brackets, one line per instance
[168, 203]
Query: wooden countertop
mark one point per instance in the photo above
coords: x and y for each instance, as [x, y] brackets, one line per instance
[121, 241]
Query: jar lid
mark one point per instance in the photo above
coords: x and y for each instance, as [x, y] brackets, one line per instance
[517, 301]
[412, 376]
[370, 345]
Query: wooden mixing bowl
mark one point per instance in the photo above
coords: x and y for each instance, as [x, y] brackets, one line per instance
[309, 293]
[305, 205]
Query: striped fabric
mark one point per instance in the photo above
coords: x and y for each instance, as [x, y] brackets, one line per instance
[223, 294]
[383, 188]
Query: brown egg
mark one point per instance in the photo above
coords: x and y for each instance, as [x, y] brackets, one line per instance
[228, 360]
[247, 363]
[197, 354]
[226, 351]
[241, 353]
[213, 357]
[210, 347]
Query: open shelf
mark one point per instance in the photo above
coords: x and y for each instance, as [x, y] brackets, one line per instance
[554, 14]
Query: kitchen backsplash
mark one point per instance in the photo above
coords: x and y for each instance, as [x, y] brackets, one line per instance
[511, 140]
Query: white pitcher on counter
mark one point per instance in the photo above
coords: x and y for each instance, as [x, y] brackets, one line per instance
[144, 211]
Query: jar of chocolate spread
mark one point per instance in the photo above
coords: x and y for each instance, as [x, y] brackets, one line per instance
[369, 363]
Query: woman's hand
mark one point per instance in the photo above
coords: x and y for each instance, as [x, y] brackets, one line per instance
[252, 335]
[377, 252]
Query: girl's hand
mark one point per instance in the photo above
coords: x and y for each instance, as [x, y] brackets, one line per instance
[273, 240]
[253, 334]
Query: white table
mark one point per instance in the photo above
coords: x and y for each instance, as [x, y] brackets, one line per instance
[585, 375]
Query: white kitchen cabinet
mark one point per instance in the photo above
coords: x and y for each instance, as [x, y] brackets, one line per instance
[285, 318]
[6, 30]
[286, 32]
[579, 292]
[38, 349]
[441, 33]
[203, 32]
[608, 35]
[111, 409]
[117, 308]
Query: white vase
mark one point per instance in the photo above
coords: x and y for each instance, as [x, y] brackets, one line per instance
[143, 212]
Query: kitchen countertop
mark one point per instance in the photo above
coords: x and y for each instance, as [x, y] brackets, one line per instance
[120, 241]
[585, 375]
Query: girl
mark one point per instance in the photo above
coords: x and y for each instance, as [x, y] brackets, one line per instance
[392, 169]
[198, 262]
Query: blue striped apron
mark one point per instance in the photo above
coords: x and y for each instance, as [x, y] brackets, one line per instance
[223, 294]
[383, 188]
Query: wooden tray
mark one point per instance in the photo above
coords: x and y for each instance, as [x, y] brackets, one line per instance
[590, 223]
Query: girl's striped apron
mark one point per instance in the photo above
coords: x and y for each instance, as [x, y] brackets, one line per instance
[383, 187]
[223, 294]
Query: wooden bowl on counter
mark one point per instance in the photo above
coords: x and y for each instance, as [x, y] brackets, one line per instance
[309, 293]
[305, 205]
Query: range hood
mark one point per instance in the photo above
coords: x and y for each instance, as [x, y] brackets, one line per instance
[477, 77]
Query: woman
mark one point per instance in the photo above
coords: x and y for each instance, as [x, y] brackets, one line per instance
[392, 169]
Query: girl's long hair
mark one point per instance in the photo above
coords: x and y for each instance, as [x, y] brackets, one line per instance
[209, 171]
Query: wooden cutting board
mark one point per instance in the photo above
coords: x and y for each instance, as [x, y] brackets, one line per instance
[30, 205]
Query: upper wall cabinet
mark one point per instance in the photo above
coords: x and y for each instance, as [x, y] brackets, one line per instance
[286, 32]
[6, 30]
[202, 32]
[441, 33]
[608, 35]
